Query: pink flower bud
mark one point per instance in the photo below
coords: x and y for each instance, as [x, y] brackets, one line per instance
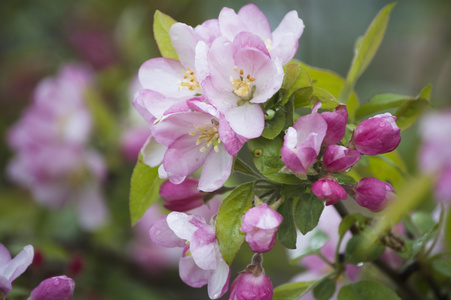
[373, 193]
[181, 197]
[260, 224]
[251, 286]
[328, 189]
[377, 135]
[336, 124]
[339, 158]
[55, 288]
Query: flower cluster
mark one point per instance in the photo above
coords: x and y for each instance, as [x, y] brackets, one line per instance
[51, 140]
[205, 106]
[316, 135]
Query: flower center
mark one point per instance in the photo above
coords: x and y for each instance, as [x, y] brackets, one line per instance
[190, 81]
[208, 134]
[242, 86]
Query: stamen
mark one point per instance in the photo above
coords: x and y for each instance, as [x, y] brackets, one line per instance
[242, 86]
[208, 134]
[190, 81]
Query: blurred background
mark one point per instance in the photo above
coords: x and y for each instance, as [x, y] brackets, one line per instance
[113, 38]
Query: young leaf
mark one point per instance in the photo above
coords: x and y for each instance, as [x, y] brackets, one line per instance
[442, 266]
[366, 290]
[348, 222]
[356, 254]
[366, 49]
[410, 110]
[144, 190]
[161, 25]
[333, 83]
[287, 230]
[292, 291]
[307, 212]
[317, 239]
[380, 103]
[267, 160]
[229, 219]
[295, 78]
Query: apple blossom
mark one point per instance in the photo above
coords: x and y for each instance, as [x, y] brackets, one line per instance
[302, 142]
[376, 135]
[260, 224]
[329, 189]
[183, 196]
[10, 269]
[282, 43]
[236, 76]
[55, 288]
[338, 158]
[201, 262]
[336, 124]
[373, 194]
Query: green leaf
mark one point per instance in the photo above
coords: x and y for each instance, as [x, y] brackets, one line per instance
[356, 254]
[380, 103]
[310, 95]
[161, 25]
[409, 112]
[144, 190]
[442, 266]
[388, 167]
[423, 221]
[344, 178]
[292, 291]
[307, 212]
[266, 156]
[366, 290]
[366, 49]
[324, 290]
[333, 83]
[287, 230]
[295, 78]
[275, 125]
[229, 219]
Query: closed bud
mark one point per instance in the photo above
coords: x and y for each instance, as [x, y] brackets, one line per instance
[377, 135]
[329, 190]
[373, 193]
[181, 197]
[338, 159]
[260, 224]
[55, 288]
[336, 124]
[252, 283]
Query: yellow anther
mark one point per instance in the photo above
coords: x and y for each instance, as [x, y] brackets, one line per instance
[190, 81]
[208, 134]
[242, 86]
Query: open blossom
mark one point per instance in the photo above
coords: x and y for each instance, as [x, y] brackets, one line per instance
[10, 269]
[201, 262]
[260, 224]
[302, 142]
[373, 194]
[54, 288]
[329, 190]
[236, 76]
[202, 138]
[282, 43]
[377, 135]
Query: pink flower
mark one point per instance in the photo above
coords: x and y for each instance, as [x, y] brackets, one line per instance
[202, 138]
[201, 262]
[10, 269]
[302, 142]
[183, 196]
[330, 190]
[282, 43]
[377, 135]
[260, 224]
[251, 286]
[373, 193]
[237, 76]
[338, 159]
[336, 124]
[55, 288]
